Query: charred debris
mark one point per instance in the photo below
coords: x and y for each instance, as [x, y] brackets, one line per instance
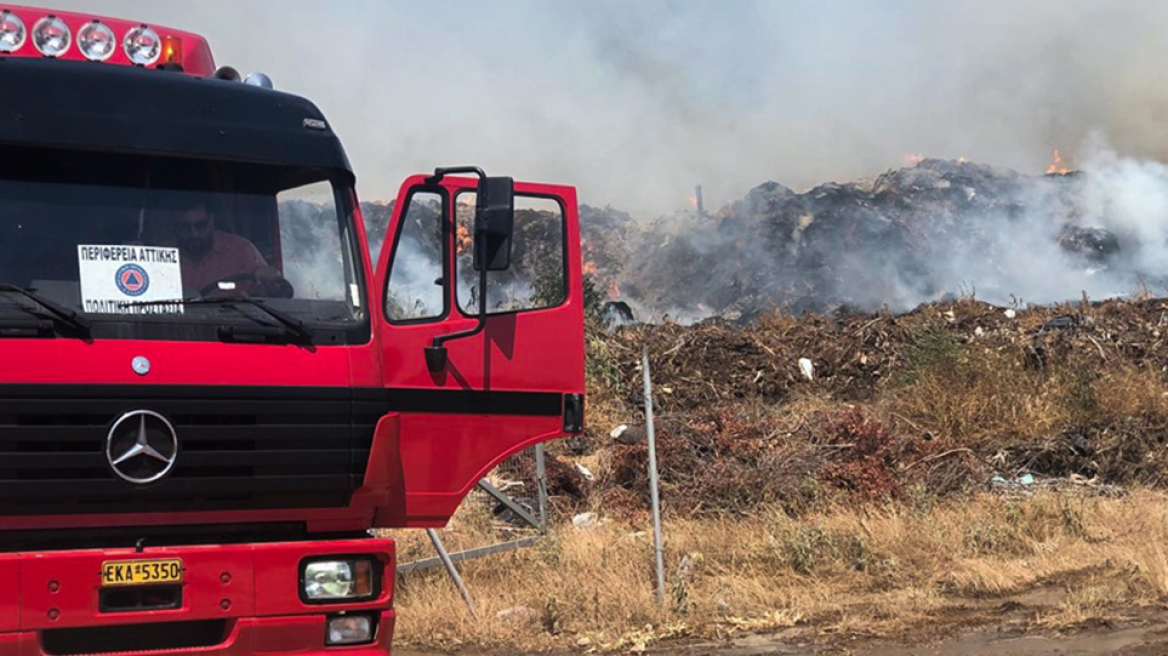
[937, 230]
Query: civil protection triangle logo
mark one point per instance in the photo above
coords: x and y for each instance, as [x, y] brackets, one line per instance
[132, 280]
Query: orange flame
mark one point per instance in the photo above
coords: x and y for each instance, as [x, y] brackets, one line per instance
[463, 240]
[589, 267]
[912, 159]
[613, 290]
[963, 160]
[1057, 165]
[693, 200]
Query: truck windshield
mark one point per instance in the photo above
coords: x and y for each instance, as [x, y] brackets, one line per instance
[114, 236]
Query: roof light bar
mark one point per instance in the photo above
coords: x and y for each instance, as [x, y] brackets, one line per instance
[31, 33]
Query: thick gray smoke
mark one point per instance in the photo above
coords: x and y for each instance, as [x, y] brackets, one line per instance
[1027, 255]
[635, 102]
[934, 230]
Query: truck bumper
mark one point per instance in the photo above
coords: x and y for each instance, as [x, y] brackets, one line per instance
[235, 599]
[271, 636]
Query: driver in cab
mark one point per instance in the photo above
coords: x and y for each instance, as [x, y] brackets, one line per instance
[215, 261]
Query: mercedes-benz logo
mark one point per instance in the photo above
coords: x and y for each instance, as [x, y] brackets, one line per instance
[140, 365]
[141, 447]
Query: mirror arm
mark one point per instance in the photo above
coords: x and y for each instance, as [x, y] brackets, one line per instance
[436, 355]
[442, 172]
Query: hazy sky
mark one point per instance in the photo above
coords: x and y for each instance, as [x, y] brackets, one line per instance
[634, 102]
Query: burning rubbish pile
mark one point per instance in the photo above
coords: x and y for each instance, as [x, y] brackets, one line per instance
[935, 230]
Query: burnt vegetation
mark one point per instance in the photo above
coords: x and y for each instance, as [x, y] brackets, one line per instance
[937, 230]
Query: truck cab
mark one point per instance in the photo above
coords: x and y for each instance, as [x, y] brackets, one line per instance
[213, 388]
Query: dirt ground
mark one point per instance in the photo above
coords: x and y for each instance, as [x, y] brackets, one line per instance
[1003, 626]
[1143, 634]
[1147, 636]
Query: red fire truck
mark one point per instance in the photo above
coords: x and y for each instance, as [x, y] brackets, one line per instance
[211, 391]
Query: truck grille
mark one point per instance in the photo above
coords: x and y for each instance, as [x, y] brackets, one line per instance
[239, 447]
[134, 637]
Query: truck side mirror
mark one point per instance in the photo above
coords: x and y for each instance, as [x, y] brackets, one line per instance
[494, 223]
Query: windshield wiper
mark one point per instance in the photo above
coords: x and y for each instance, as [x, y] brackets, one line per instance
[289, 324]
[69, 317]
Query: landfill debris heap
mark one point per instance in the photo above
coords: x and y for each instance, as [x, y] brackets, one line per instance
[950, 398]
[936, 230]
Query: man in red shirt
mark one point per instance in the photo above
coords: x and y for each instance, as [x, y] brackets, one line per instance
[213, 261]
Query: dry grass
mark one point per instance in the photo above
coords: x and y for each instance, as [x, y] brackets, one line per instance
[981, 396]
[881, 570]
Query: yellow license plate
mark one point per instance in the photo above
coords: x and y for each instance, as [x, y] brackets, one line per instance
[141, 572]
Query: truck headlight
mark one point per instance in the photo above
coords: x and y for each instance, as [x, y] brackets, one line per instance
[350, 630]
[339, 579]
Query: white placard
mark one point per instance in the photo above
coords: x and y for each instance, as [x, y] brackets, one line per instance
[112, 276]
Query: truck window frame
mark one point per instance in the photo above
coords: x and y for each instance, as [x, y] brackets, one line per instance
[444, 195]
[563, 257]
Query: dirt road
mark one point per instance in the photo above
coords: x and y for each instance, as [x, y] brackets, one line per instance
[1147, 636]
[1143, 639]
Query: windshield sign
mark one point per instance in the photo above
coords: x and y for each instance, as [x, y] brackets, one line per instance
[122, 238]
[112, 275]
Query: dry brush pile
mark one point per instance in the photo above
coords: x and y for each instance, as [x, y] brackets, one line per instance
[934, 402]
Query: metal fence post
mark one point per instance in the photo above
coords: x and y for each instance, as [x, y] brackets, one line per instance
[451, 569]
[541, 482]
[653, 481]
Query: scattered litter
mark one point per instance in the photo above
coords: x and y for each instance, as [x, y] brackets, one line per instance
[1061, 322]
[585, 472]
[618, 431]
[688, 564]
[617, 313]
[807, 368]
[584, 521]
[1021, 482]
[1096, 244]
[1027, 485]
[630, 435]
[1010, 313]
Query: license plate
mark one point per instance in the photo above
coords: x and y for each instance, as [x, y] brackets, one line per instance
[141, 572]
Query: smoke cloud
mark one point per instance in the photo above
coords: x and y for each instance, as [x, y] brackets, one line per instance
[636, 102]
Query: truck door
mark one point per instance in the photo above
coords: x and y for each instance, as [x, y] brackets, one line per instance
[518, 382]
